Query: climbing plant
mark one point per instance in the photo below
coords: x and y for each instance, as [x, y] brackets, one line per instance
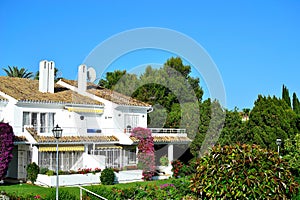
[146, 156]
[6, 147]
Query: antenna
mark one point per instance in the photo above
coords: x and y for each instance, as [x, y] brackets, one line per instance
[91, 74]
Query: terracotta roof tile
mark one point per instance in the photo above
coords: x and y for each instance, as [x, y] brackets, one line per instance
[27, 90]
[110, 95]
[20, 139]
[166, 139]
[71, 139]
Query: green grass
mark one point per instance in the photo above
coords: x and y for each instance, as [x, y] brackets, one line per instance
[33, 190]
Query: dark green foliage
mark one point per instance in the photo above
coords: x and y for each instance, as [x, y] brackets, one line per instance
[107, 176]
[270, 118]
[243, 171]
[112, 79]
[212, 119]
[43, 170]
[296, 104]
[292, 154]
[205, 116]
[169, 87]
[286, 95]
[233, 129]
[16, 72]
[32, 172]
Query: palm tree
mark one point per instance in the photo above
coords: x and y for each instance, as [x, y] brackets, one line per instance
[16, 72]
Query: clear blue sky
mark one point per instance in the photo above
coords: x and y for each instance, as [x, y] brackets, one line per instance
[255, 44]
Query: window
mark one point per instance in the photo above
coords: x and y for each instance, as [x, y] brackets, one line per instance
[42, 122]
[131, 120]
[131, 153]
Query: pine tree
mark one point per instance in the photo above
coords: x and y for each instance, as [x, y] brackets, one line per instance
[296, 104]
[286, 95]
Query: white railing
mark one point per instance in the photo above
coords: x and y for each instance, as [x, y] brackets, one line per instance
[97, 195]
[103, 131]
[168, 131]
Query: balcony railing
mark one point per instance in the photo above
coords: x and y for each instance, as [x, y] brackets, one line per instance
[68, 131]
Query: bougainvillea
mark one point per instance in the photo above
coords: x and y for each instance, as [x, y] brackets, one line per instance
[6, 147]
[146, 156]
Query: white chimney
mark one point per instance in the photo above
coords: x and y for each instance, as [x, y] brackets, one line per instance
[82, 78]
[46, 76]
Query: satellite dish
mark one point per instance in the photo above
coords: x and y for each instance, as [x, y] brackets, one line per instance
[91, 74]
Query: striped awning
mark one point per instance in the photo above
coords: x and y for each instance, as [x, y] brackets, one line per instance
[85, 110]
[61, 148]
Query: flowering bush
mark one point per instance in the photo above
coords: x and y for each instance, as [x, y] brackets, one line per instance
[88, 170]
[176, 168]
[146, 154]
[6, 147]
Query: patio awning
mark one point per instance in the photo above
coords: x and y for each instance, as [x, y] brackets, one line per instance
[61, 148]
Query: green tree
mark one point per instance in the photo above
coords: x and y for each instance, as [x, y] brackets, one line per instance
[286, 95]
[296, 104]
[112, 79]
[16, 72]
[232, 132]
[270, 118]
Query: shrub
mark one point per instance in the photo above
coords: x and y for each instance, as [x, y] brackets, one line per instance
[164, 161]
[43, 170]
[50, 173]
[243, 171]
[292, 154]
[32, 172]
[107, 176]
[6, 147]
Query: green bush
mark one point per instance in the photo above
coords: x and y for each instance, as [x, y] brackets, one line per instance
[50, 173]
[243, 171]
[164, 161]
[43, 170]
[32, 172]
[107, 176]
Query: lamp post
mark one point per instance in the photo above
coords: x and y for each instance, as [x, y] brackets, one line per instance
[278, 142]
[57, 133]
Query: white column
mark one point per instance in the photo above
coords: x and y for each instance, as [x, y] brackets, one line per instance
[170, 153]
[86, 148]
[35, 154]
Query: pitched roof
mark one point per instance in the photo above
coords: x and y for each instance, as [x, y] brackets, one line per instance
[27, 90]
[110, 95]
[72, 139]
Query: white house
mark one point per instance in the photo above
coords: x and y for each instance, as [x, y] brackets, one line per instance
[96, 123]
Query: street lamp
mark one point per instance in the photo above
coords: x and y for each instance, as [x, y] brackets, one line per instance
[57, 133]
[278, 142]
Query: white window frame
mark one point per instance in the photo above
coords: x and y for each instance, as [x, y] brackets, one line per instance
[44, 126]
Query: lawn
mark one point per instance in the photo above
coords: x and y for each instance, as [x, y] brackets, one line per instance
[28, 190]
[34, 190]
